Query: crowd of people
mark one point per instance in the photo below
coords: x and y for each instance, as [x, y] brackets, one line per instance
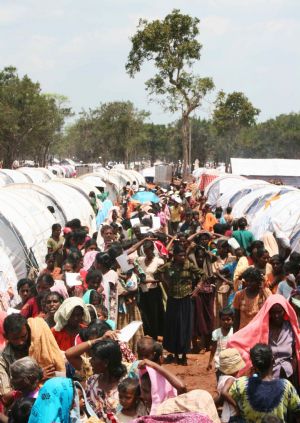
[199, 282]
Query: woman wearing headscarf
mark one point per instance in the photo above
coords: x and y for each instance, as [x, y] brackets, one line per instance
[72, 315]
[58, 402]
[275, 324]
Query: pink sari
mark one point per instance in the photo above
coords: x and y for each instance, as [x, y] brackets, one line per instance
[257, 331]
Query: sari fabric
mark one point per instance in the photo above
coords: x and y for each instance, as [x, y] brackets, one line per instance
[257, 331]
[54, 402]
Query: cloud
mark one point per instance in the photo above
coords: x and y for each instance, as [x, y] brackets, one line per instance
[215, 25]
[10, 14]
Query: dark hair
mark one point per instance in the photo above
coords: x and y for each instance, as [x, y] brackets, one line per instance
[93, 274]
[94, 296]
[228, 209]
[97, 328]
[252, 274]
[291, 267]
[90, 242]
[158, 351]
[48, 279]
[92, 194]
[218, 212]
[51, 293]
[226, 311]
[178, 248]
[21, 410]
[74, 223]
[23, 282]
[295, 257]
[109, 351]
[103, 310]
[105, 228]
[255, 244]
[104, 259]
[148, 245]
[242, 222]
[261, 252]
[14, 323]
[55, 226]
[221, 228]
[261, 357]
[114, 251]
[49, 256]
[130, 384]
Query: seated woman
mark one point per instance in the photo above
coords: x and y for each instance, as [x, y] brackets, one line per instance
[108, 370]
[261, 395]
[249, 300]
[79, 355]
[72, 315]
[58, 401]
[276, 324]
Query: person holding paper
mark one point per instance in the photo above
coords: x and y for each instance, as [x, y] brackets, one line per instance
[151, 302]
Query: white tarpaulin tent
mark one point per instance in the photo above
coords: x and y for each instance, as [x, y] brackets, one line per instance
[44, 197]
[93, 179]
[266, 167]
[8, 277]
[36, 174]
[73, 202]
[219, 186]
[16, 177]
[251, 203]
[25, 227]
[280, 216]
[238, 190]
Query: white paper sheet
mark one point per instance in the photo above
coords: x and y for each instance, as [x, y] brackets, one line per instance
[128, 331]
[11, 310]
[155, 223]
[73, 279]
[123, 263]
[135, 221]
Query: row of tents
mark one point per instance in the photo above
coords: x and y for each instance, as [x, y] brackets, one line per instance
[266, 206]
[33, 199]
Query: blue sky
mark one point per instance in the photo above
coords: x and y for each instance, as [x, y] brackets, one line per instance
[78, 48]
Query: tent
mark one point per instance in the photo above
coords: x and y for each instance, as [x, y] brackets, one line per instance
[280, 216]
[251, 203]
[73, 202]
[8, 277]
[238, 190]
[93, 179]
[287, 170]
[219, 186]
[36, 174]
[44, 197]
[5, 179]
[15, 176]
[25, 227]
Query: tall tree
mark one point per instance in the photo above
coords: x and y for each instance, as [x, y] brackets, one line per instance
[173, 46]
[232, 113]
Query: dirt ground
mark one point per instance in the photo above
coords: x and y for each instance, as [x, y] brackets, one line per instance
[195, 374]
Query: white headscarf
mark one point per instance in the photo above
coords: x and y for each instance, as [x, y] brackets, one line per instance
[64, 312]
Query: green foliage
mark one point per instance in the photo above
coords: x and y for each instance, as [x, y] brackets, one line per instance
[112, 131]
[30, 121]
[172, 45]
[232, 113]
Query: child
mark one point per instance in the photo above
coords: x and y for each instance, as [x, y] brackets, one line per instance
[286, 286]
[149, 349]
[103, 315]
[230, 363]
[130, 404]
[82, 409]
[220, 337]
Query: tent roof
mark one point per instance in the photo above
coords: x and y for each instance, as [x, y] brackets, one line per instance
[265, 167]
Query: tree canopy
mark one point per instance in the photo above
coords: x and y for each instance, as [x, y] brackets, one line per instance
[172, 45]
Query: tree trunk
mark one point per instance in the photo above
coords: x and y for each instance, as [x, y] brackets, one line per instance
[185, 133]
